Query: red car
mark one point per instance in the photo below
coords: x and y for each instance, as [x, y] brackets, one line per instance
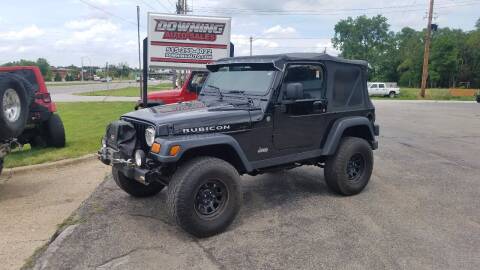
[42, 126]
[189, 91]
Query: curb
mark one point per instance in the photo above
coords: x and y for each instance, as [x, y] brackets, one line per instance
[54, 164]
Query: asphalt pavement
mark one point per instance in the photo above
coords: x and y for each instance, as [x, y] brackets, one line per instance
[420, 211]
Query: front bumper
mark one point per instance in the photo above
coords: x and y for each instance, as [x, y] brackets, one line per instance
[110, 156]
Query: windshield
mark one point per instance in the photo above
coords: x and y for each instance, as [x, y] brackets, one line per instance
[250, 80]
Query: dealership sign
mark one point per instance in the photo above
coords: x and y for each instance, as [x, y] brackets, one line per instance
[179, 41]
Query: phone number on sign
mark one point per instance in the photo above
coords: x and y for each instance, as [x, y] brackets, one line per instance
[190, 53]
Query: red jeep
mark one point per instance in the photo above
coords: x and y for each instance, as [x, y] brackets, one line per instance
[189, 91]
[40, 124]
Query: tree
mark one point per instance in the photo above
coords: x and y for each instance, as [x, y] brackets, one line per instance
[45, 68]
[57, 78]
[41, 63]
[410, 53]
[365, 38]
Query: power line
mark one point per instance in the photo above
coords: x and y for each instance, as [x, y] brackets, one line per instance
[108, 12]
[148, 5]
[395, 9]
[161, 4]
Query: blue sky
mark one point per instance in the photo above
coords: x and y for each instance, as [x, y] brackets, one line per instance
[104, 30]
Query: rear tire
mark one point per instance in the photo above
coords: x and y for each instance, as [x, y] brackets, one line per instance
[55, 131]
[204, 196]
[349, 170]
[391, 94]
[14, 107]
[135, 188]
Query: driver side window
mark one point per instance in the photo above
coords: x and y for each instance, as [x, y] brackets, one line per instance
[310, 76]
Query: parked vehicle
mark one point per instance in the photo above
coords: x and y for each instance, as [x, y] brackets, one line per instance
[41, 126]
[107, 79]
[16, 96]
[383, 89]
[255, 114]
[189, 91]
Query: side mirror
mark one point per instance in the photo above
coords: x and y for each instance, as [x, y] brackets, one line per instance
[294, 91]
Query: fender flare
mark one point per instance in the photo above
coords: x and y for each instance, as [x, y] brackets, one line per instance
[189, 142]
[339, 127]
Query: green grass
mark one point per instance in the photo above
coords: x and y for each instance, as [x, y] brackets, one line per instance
[431, 94]
[84, 123]
[126, 92]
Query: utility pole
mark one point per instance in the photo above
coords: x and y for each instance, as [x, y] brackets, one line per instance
[251, 41]
[81, 72]
[182, 7]
[139, 52]
[426, 54]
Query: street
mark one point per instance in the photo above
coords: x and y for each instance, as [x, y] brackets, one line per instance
[419, 211]
[66, 93]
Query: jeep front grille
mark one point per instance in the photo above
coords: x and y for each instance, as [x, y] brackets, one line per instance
[140, 131]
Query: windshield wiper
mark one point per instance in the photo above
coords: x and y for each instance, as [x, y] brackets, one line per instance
[216, 89]
[249, 99]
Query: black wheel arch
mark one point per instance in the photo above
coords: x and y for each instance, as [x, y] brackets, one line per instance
[220, 146]
[355, 126]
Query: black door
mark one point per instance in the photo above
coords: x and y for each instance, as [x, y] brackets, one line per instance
[301, 123]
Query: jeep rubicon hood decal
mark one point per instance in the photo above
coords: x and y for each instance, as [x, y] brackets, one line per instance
[195, 117]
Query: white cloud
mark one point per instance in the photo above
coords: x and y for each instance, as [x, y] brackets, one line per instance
[28, 32]
[5, 48]
[278, 29]
[23, 49]
[82, 24]
[94, 30]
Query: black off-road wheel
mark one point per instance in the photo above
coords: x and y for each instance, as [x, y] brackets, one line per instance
[349, 170]
[204, 196]
[55, 132]
[134, 188]
[14, 106]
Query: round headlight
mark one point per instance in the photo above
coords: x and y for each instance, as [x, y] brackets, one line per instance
[149, 136]
[139, 158]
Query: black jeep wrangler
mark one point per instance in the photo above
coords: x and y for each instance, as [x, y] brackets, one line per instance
[254, 114]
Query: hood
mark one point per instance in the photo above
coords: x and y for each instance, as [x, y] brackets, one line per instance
[164, 93]
[194, 117]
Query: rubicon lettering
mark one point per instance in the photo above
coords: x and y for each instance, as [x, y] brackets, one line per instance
[205, 129]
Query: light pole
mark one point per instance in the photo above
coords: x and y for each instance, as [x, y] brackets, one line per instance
[89, 62]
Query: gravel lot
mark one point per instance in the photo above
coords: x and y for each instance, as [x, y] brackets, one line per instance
[420, 211]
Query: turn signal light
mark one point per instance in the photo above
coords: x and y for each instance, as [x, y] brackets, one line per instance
[155, 148]
[174, 150]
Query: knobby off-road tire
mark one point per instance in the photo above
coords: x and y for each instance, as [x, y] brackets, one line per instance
[204, 196]
[134, 188]
[55, 132]
[15, 102]
[349, 170]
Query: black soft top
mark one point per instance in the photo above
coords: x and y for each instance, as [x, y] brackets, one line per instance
[279, 60]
